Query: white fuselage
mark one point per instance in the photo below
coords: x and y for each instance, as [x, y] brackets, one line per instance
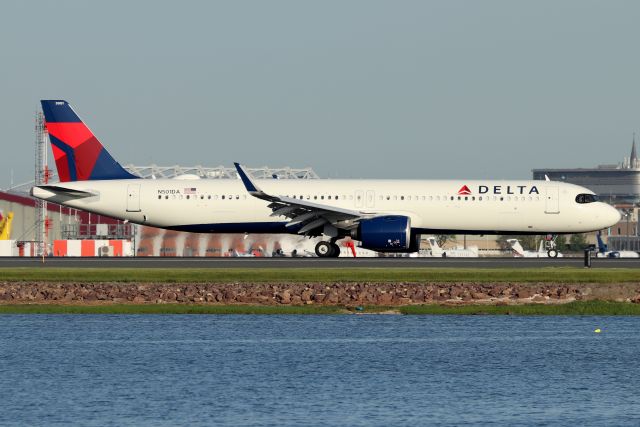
[220, 205]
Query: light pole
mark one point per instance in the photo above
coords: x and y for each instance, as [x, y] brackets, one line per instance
[627, 214]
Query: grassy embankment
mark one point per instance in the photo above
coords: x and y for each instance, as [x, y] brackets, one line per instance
[262, 275]
[330, 275]
[593, 308]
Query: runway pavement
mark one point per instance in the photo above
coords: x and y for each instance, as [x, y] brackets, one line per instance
[162, 262]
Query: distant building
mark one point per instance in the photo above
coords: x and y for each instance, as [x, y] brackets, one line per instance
[617, 185]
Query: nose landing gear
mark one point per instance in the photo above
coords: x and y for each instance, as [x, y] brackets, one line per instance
[550, 245]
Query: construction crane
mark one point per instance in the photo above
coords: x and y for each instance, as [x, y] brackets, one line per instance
[5, 226]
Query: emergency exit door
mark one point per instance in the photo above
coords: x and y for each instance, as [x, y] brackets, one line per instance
[371, 199]
[359, 198]
[133, 198]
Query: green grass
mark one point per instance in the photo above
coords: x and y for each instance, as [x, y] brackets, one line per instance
[255, 275]
[591, 308]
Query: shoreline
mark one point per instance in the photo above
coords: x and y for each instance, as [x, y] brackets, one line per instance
[335, 294]
[575, 308]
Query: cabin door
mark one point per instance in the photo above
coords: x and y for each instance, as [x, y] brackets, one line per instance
[133, 198]
[552, 201]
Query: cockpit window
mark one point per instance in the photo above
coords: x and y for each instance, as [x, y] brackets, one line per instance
[586, 198]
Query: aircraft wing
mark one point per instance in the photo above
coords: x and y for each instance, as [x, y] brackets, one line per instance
[313, 219]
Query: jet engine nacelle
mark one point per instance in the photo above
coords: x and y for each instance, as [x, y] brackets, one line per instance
[391, 233]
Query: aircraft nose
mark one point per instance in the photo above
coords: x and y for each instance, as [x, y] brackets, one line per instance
[612, 215]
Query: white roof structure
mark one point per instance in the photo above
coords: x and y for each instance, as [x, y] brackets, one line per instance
[219, 172]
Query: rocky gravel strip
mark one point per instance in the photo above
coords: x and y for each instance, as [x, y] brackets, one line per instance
[347, 294]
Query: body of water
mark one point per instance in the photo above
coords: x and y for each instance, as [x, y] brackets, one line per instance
[318, 370]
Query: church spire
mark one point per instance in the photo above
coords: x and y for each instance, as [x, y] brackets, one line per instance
[633, 160]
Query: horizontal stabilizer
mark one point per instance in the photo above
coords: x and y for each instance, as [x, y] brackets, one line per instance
[53, 192]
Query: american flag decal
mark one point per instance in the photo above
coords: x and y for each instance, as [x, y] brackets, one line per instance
[189, 190]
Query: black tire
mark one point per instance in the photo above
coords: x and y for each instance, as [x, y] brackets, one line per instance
[336, 250]
[324, 249]
[552, 253]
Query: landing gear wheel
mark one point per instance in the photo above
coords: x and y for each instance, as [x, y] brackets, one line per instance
[552, 253]
[336, 250]
[324, 249]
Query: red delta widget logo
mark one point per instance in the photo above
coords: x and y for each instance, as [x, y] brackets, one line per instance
[500, 189]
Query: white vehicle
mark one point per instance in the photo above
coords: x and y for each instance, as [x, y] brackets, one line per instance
[383, 215]
[296, 246]
[545, 249]
[458, 252]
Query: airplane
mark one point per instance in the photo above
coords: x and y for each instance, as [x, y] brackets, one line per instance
[437, 251]
[383, 215]
[520, 252]
[604, 252]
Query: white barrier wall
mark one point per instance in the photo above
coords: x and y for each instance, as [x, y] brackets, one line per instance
[92, 248]
[8, 248]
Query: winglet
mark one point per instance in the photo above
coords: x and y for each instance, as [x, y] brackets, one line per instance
[244, 176]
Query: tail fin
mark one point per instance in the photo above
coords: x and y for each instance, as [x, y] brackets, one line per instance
[78, 153]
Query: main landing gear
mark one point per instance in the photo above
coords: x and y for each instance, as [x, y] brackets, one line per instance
[327, 249]
[550, 245]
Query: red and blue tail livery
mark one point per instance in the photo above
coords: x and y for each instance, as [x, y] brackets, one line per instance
[78, 153]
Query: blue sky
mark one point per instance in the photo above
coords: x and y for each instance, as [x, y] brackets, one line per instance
[355, 89]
